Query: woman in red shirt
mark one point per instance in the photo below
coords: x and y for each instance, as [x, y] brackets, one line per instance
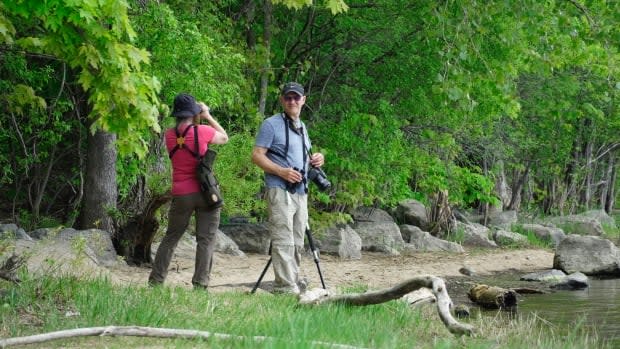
[186, 195]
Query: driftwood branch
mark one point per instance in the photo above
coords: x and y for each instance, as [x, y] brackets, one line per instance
[434, 283]
[139, 331]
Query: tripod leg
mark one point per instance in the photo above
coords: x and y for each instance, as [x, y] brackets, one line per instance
[315, 256]
[260, 278]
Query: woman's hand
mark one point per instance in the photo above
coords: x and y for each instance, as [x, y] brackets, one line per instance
[205, 113]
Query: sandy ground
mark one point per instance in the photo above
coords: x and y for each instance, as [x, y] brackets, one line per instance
[374, 270]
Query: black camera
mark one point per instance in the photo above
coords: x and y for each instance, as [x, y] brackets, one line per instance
[318, 177]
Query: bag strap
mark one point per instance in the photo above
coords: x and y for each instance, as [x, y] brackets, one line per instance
[181, 142]
[197, 153]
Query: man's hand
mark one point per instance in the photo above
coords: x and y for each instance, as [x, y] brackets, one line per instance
[290, 175]
[317, 160]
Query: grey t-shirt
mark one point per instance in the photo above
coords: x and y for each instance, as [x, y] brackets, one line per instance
[272, 135]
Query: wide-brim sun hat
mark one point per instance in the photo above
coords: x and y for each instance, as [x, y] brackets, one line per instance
[185, 106]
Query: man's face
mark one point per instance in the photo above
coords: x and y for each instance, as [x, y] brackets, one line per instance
[292, 103]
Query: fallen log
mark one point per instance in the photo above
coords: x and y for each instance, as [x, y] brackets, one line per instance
[492, 296]
[444, 303]
[139, 331]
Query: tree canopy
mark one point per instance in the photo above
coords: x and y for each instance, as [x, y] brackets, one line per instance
[406, 99]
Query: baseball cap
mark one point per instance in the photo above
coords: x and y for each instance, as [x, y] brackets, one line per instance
[292, 87]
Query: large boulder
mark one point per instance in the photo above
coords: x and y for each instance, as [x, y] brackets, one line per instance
[378, 231]
[411, 212]
[602, 216]
[226, 245]
[590, 255]
[249, 237]
[342, 241]
[13, 231]
[578, 224]
[508, 238]
[502, 219]
[66, 251]
[371, 214]
[419, 240]
[552, 234]
[475, 235]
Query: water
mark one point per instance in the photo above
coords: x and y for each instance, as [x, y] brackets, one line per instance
[598, 307]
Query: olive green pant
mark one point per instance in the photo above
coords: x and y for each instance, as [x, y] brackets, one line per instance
[288, 220]
[207, 223]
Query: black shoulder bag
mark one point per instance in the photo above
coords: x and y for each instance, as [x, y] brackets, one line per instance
[209, 186]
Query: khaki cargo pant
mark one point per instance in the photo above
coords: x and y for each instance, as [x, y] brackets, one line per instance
[288, 220]
[207, 223]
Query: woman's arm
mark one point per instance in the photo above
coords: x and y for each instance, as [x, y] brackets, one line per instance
[220, 137]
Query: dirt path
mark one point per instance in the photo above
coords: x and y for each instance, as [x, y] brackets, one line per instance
[374, 269]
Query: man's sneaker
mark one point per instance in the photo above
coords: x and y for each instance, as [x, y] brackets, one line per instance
[303, 284]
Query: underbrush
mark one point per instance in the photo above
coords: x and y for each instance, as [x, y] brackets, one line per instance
[39, 305]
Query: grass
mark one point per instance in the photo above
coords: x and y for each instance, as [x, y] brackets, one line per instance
[532, 238]
[611, 231]
[39, 305]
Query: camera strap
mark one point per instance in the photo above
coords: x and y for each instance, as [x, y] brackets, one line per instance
[288, 125]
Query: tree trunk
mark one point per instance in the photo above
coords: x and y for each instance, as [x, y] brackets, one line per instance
[264, 76]
[501, 187]
[517, 188]
[586, 193]
[250, 36]
[100, 192]
[611, 187]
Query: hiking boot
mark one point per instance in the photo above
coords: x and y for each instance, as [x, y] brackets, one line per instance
[199, 287]
[153, 283]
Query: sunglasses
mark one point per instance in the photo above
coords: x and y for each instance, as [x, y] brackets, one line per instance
[295, 98]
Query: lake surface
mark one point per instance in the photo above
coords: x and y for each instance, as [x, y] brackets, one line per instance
[598, 307]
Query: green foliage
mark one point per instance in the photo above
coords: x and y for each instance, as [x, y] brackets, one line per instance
[239, 178]
[364, 159]
[335, 6]
[36, 135]
[404, 98]
[456, 235]
[93, 38]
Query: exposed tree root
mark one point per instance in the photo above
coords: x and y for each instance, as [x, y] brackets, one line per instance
[8, 270]
[138, 331]
[436, 284]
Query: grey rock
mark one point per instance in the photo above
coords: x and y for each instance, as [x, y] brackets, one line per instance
[590, 255]
[549, 275]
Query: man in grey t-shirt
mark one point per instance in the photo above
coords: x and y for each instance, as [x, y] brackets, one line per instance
[282, 150]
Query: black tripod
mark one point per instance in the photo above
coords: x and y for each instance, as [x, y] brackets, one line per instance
[315, 256]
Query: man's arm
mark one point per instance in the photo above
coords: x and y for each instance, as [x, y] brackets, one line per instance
[259, 157]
